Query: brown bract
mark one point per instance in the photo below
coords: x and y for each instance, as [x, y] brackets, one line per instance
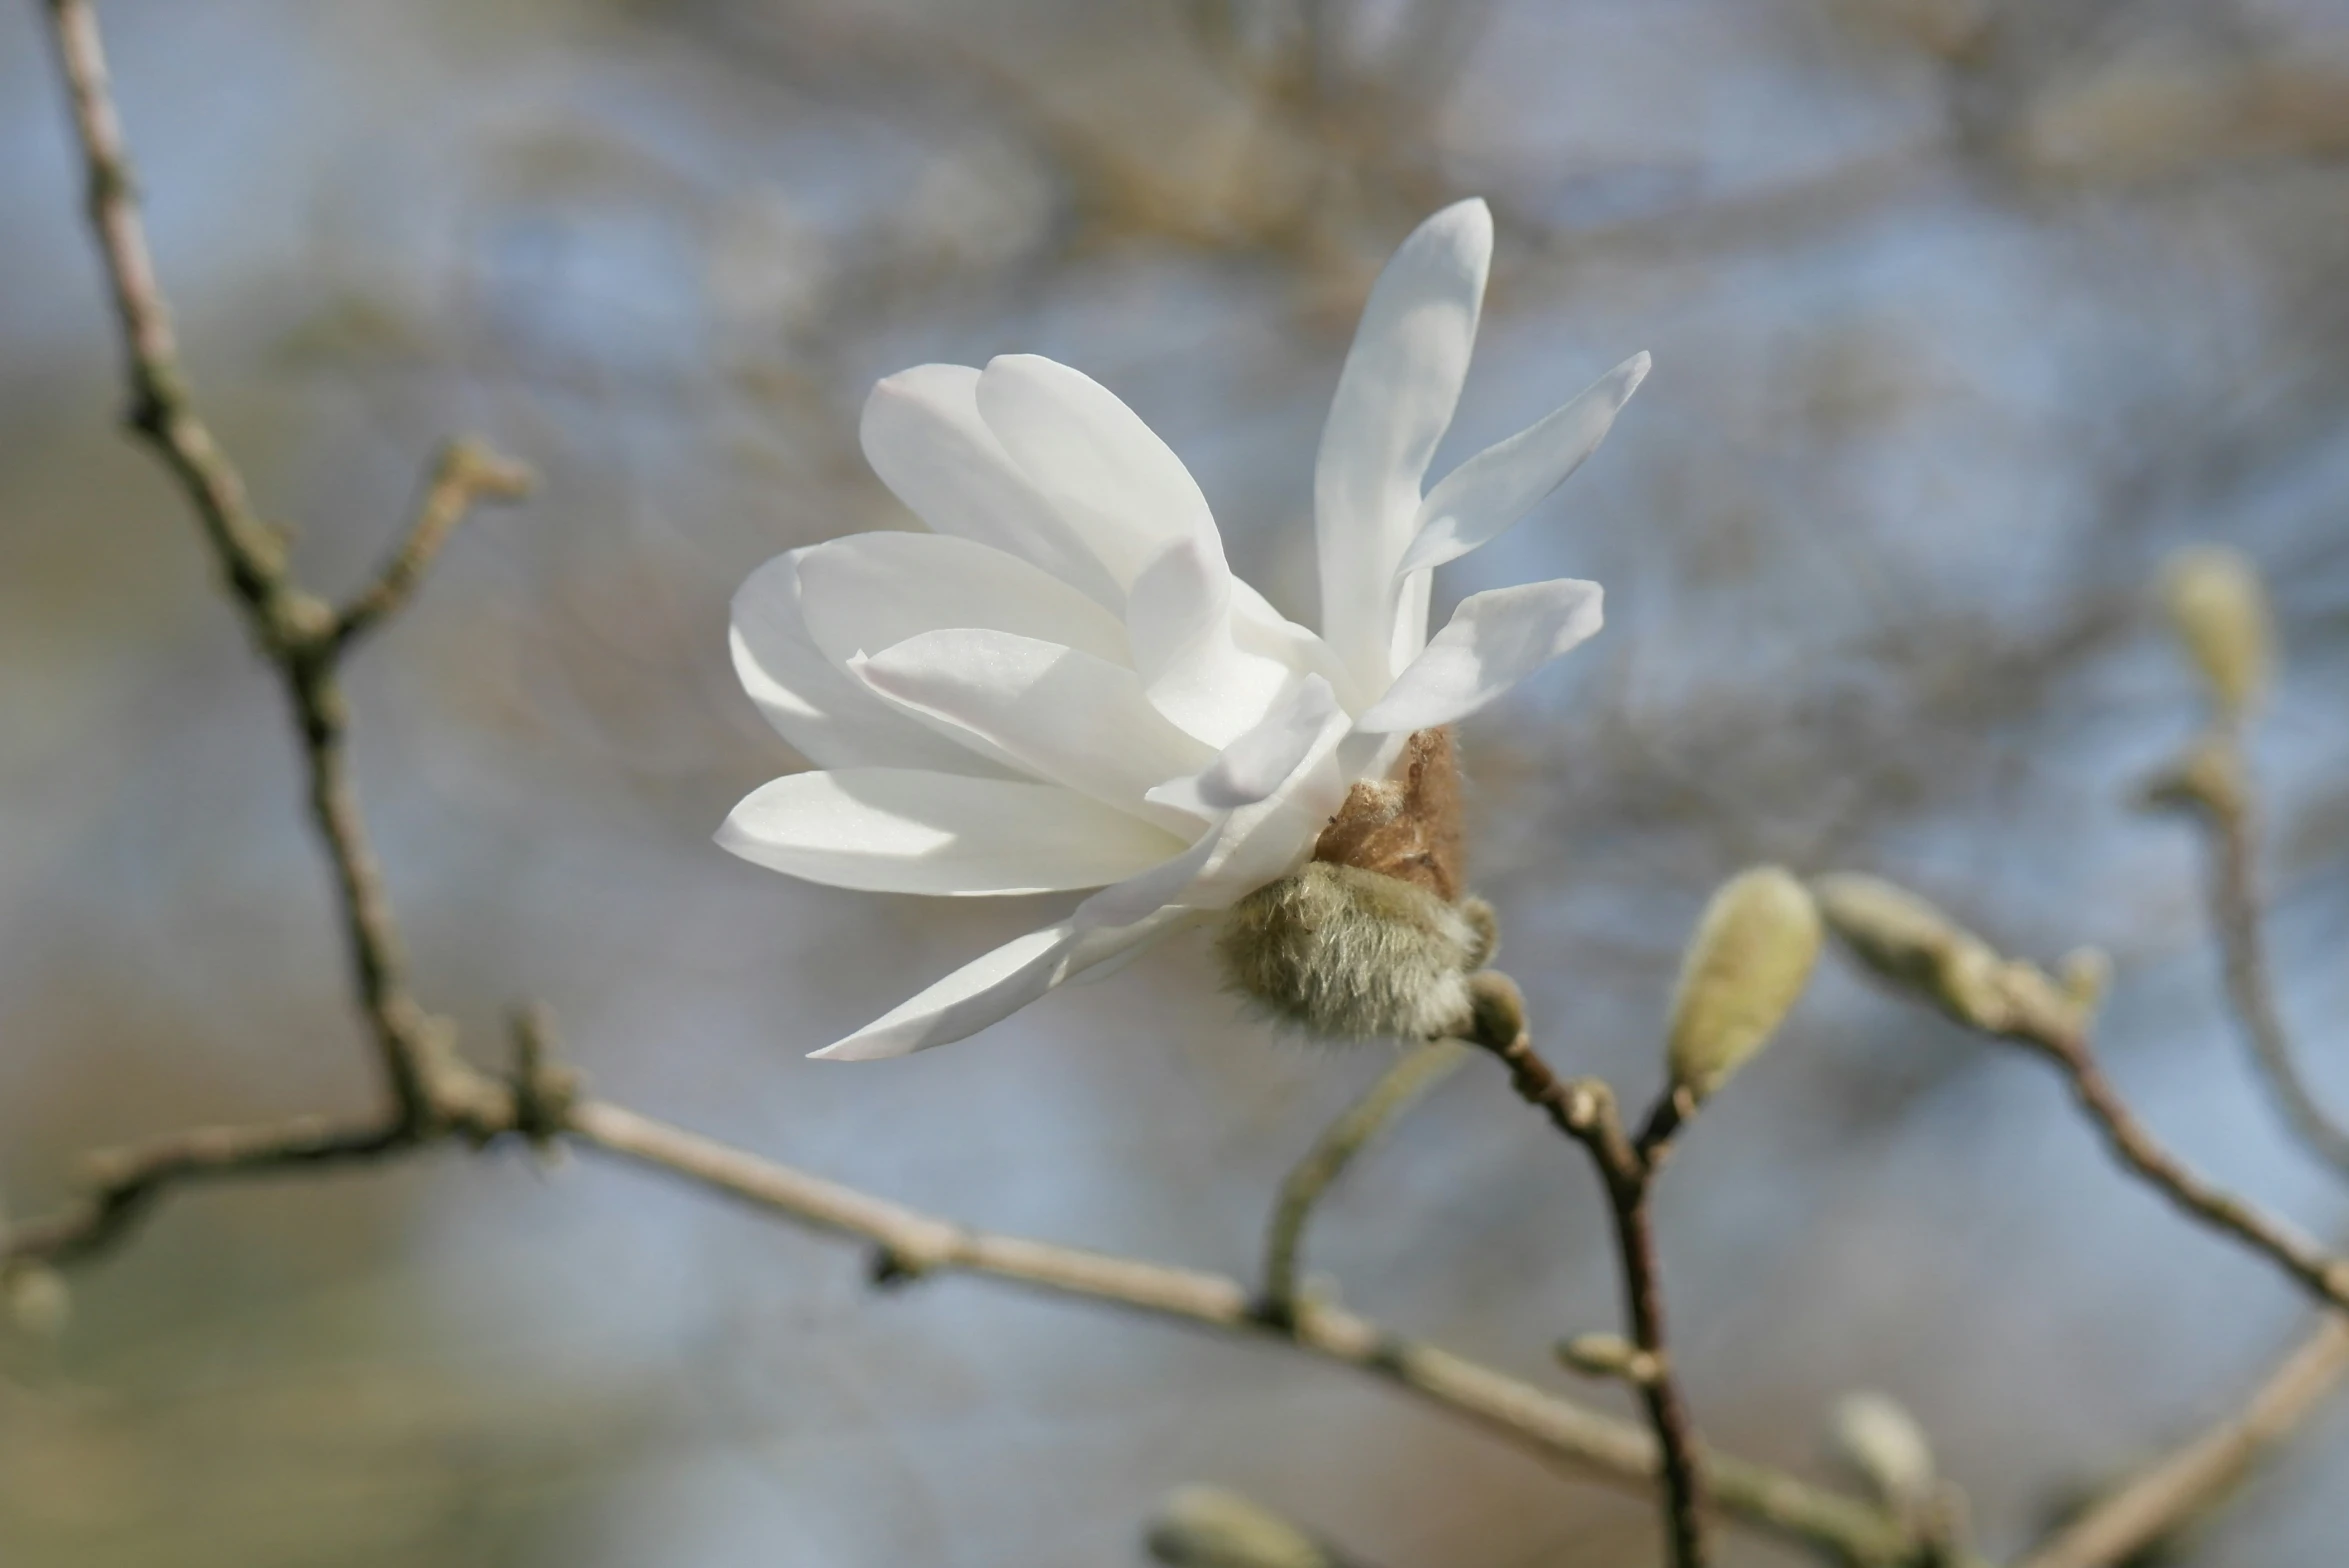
[1408, 826]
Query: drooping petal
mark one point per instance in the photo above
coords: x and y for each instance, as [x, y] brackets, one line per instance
[902, 830]
[991, 988]
[1067, 717]
[1500, 484]
[1095, 461]
[986, 990]
[923, 435]
[1495, 639]
[1394, 401]
[1179, 624]
[818, 707]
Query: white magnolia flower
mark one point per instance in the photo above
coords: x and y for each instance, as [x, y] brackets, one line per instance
[1063, 686]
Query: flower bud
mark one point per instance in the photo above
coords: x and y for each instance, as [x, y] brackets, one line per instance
[1744, 970]
[1912, 944]
[1608, 1355]
[1882, 1442]
[1909, 942]
[1354, 954]
[36, 1300]
[2218, 606]
[1208, 1527]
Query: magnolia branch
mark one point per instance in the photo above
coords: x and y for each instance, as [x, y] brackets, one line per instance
[1585, 1111]
[2066, 1044]
[2212, 783]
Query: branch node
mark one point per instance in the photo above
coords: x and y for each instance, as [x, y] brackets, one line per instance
[543, 1092]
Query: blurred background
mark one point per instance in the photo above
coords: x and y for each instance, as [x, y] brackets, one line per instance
[1964, 313]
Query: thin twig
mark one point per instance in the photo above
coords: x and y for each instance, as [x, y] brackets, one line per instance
[2156, 1503]
[464, 474]
[126, 1184]
[2218, 789]
[299, 635]
[1585, 1111]
[159, 409]
[1419, 1071]
[2323, 1274]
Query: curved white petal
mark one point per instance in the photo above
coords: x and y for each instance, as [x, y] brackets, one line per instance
[1394, 401]
[1065, 716]
[1108, 475]
[1274, 836]
[1282, 781]
[923, 435]
[1489, 492]
[902, 830]
[1179, 623]
[1495, 639]
[824, 712]
[1258, 628]
[991, 988]
[1254, 766]
[986, 990]
[866, 592]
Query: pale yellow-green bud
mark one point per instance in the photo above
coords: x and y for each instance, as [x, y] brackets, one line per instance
[2086, 975]
[1915, 946]
[1744, 970]
[37, 1300]
[1608, 1355]
[1883, 1443]
[1209, 1527]
[2218, 607]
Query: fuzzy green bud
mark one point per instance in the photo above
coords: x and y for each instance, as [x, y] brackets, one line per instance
[1208, 1527]
[1744, 970]
[2218, 607]
[1353, 954]
[1883, 1443]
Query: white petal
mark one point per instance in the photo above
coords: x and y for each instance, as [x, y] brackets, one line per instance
[1252, 767]
[984, 991]
[818, 707]
[866, 592]
[923, 435]
[1394, 401]
[1500, 484]
[1180, 622]
[1273, 837]
[1065, 716]
[1272, 832]
[1495, 640]
[1106, 473]
[990, 989]
[901, 830]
